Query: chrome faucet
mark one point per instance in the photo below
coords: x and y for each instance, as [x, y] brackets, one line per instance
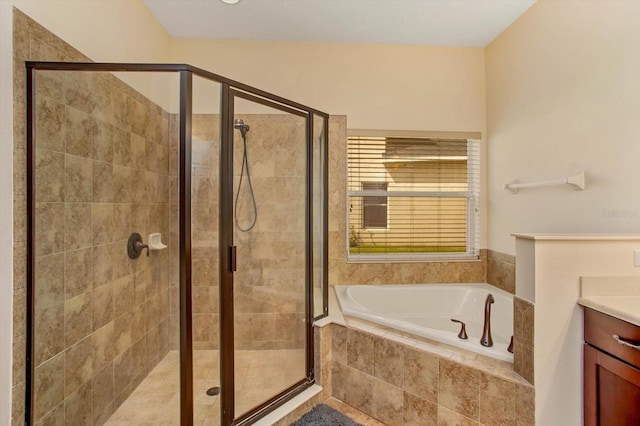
[486, 339]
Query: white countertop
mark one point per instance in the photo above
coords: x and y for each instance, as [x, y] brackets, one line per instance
[577, 237]
[615, 296]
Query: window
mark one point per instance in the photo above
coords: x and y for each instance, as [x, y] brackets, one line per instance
[412, 198]
[374, 208]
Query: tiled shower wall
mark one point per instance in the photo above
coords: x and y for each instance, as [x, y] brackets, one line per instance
[102, 163]
[204, 231]
[269, 282]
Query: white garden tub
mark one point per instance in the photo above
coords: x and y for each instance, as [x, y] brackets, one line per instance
[427, 309]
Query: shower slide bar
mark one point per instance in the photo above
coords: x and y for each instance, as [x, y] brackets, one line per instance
[578, 182]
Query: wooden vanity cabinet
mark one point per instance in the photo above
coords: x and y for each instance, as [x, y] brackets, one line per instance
[611, 371]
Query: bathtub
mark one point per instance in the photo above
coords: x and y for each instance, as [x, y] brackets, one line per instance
[427, 309]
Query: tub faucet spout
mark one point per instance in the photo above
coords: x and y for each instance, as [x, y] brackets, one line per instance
[486, 339]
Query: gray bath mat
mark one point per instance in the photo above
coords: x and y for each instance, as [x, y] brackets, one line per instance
[323, 415]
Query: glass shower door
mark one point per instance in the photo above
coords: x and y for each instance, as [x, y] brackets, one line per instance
[270, 233]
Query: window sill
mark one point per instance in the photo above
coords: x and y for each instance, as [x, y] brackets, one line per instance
[408, 258]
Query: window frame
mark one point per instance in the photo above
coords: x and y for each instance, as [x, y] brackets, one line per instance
[472, 196]
[365, 205]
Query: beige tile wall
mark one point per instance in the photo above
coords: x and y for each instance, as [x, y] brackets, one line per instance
[323, 358]
[523, 334]
[501, 271]
[204, 225]
[102, 161]
[269, 283]
[403, 385]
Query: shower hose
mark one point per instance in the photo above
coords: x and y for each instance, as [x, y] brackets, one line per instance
[245, 166]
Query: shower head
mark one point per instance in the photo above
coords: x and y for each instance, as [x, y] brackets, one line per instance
[239, 124]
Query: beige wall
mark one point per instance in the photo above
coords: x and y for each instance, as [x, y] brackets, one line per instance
[377, 86]
[6, 207]
[404, 87]
[562, 96]
[109, 31]
[106, 31]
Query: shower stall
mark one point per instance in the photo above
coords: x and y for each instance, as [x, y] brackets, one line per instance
[176, 245]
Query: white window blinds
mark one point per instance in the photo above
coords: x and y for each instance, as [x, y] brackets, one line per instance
[412, 198]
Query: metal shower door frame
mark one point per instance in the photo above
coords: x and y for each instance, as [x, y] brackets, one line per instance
[228, 263]
[229, 88]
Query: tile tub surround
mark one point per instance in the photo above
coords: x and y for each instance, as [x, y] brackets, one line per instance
[523, 337]
[501, 271]
[101, 173]
[402, 381]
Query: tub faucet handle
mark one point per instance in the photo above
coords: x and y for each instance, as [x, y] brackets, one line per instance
[463, 330]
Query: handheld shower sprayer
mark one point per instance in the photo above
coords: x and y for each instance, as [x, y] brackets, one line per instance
[244, 128]
[239, 124]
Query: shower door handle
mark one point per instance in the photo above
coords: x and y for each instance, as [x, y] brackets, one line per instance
[232, 258]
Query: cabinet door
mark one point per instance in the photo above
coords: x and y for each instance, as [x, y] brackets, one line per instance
[611, 390]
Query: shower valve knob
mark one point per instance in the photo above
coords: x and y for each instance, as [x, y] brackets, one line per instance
[135, 246]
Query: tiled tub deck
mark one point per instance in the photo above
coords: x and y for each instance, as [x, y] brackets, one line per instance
[401, 379]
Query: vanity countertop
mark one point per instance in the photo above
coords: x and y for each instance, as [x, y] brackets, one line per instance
[615, 296]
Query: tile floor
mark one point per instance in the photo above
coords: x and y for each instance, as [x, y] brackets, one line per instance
[260, 374]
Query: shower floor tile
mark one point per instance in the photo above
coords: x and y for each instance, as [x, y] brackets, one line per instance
[260, 374]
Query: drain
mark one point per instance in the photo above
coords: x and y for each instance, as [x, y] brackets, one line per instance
[213, 391]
